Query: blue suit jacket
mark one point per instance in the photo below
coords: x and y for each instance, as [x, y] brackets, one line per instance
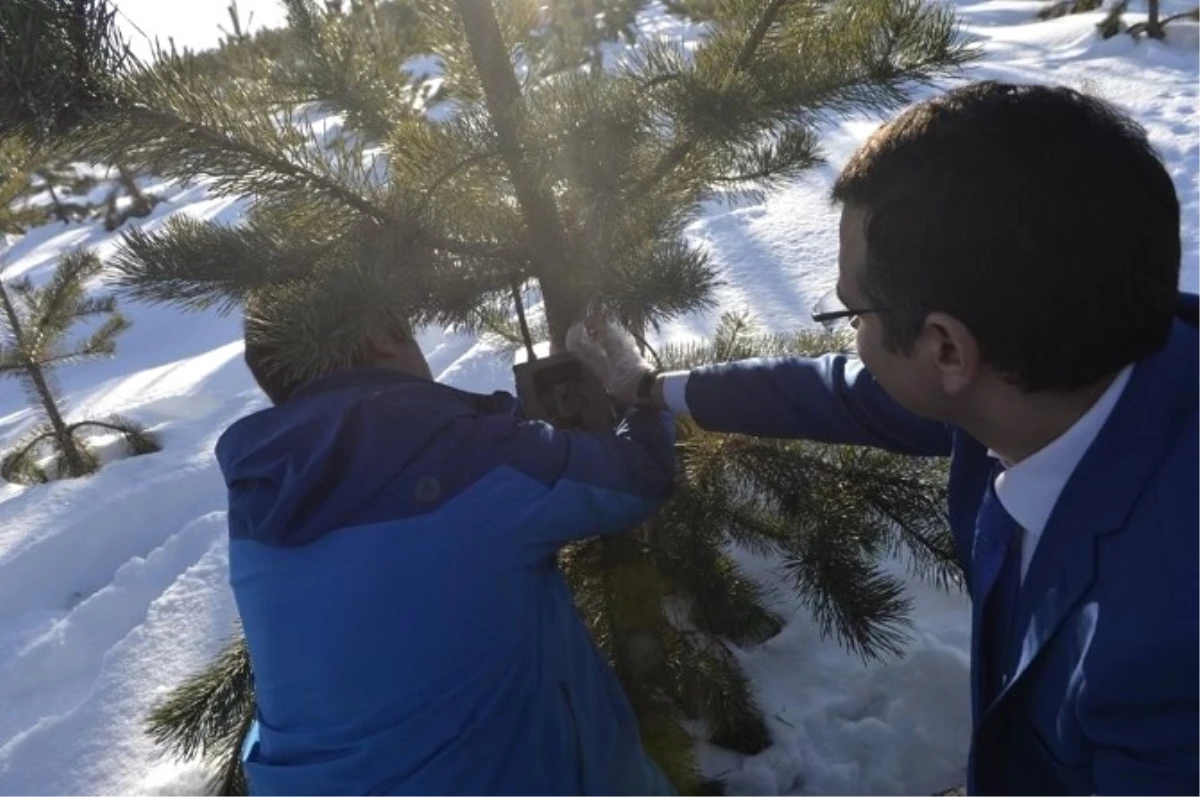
[392, 554]
[1104, 699]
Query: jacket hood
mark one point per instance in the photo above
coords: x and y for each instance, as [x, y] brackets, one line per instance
[325, 459]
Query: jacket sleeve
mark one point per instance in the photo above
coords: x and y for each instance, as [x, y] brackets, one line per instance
[591, 483]
[830, 399]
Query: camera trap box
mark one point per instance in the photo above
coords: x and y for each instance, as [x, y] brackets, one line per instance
[559, 390]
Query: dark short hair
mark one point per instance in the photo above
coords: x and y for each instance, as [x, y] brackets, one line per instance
[263, 365]
[271, 353]
[1038, 216]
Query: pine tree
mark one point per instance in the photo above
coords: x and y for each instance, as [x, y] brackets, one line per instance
[57, 58]
[34, 322]
[139, 206]
[1062, 8]
[1113, 23]
[1154, 26]
[17, 164]
[63, 183]
[521, 180]
[575, 31]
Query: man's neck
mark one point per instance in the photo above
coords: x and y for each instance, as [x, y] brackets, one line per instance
[1017, 425]
[409, 364]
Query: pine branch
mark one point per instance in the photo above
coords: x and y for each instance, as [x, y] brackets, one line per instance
[738, 338]
[910, 496]
[687, 547]
[58, 62]
[710, 684]
[669, 280]
[495, 317]
[237, 165]
[138, 440]
[766, 18]
[832, 512]
[679, 151]
[102, 342]
[228, 777]
[208, 707]
[446, 176]
[792, 151]
[850, 598]
[11, 361]
[196, 265]
[352, 64]
[815, 59]
[62, 300]
[88, 306]
[20, 464]
[18, 161]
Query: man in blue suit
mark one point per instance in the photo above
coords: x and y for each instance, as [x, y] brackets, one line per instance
[1010, 260]
[392, 554]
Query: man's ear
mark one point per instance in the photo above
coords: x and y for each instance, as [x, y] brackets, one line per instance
[953, 350]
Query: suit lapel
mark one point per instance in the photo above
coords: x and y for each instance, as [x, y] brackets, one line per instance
[1045, 603]
[1144, 426]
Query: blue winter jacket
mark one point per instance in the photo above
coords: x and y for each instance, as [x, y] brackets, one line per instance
[1102, 692]
[392, 554]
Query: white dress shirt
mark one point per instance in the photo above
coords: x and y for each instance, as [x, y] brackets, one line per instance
[674, 390]
[1028, 490]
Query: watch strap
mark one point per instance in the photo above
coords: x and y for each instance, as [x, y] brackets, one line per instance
[645, 386]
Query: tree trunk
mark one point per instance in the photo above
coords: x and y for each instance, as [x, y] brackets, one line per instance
[59, 210]
[141, 205]
[634, 590]
[76, 466]
[1152, 23]
[547, 237]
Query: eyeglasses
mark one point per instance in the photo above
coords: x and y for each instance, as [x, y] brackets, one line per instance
[830, 310]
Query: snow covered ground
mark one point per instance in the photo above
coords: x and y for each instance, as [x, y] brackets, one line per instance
[113, 588]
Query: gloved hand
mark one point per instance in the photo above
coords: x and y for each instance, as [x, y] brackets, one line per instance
[610, 353]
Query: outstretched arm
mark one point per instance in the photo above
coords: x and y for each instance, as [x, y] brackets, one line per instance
[831, 399]
[582, 484]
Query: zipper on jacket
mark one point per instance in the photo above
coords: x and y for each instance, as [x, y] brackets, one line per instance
[566, 695]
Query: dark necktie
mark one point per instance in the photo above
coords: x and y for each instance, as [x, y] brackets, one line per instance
[996, 578]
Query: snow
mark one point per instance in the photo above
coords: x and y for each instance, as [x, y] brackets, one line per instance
[113, 588]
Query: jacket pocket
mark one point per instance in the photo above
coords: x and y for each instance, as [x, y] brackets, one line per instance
[1071, 778]
[573, 729]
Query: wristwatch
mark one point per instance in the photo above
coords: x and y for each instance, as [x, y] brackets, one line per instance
[645, 388]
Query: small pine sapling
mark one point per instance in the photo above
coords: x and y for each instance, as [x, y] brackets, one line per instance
[34, 326]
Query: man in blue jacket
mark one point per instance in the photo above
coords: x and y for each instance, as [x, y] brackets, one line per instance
[1009, 260]
[392, 554]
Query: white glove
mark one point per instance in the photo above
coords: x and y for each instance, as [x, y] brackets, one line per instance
[610, 353]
